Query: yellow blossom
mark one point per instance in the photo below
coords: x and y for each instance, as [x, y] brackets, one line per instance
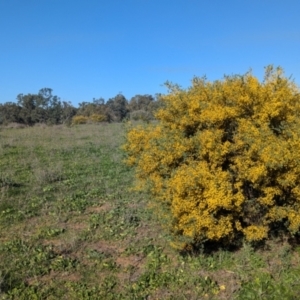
[222, 161]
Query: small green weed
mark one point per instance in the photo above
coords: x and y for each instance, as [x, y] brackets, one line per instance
[71, 228]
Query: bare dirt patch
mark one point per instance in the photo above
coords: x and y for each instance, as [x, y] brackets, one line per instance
[66, 276]
[98, 209]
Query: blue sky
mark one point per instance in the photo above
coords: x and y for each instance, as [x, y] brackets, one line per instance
[85, 49]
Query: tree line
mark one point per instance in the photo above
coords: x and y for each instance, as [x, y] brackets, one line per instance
[44, 107]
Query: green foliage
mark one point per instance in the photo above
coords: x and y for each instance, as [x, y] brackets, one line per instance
[95, 108]
[263, 287]
[140, 115]
[10, 113]
[116, 108]
[223, 161]
[42, 107]
[71, 228]
[140, 102]
[143, 107]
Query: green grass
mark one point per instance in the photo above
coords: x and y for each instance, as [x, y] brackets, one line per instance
[71, 228]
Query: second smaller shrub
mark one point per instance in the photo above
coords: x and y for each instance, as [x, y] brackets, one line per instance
[76, 120]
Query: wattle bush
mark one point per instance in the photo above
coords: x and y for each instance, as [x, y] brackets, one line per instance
[223, 161]
[76, 120]
[94, 118]
[98, 118]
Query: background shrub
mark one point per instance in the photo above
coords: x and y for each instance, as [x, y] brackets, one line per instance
[94, 118]
[141, 115]
[76, 120]
[223, 162]
[97, 118]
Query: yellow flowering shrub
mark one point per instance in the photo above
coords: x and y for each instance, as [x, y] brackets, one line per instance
[223, 160]
[76, 120]
[98, 118]
[94, 118]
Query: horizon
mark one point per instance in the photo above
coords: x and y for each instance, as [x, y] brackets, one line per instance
[98, 49]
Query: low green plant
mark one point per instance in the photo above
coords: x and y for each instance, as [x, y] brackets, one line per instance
[88, 235]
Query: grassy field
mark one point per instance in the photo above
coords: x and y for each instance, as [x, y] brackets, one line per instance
[71, 228]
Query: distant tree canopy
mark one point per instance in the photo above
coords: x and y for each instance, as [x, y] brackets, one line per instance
[142, 107]
[89, 108]
[117, 108]
[10, 113]
[44, 107]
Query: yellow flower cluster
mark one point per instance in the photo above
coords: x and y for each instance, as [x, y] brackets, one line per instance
[94, 118]
[224, 159]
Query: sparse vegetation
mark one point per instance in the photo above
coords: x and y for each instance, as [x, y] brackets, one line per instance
[72, 228]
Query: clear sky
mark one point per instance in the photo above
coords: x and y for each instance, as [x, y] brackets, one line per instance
[85, 49]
